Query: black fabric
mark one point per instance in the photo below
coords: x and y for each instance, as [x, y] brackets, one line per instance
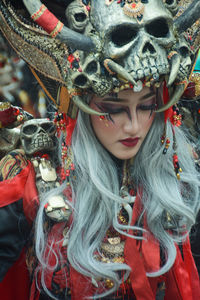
[14, 230]
[195, 242]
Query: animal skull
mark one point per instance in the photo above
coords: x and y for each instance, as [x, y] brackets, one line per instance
[140, 47]
[38, 135]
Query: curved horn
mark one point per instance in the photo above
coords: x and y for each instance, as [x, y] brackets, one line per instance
[175, 98]
[189, 17]
[43, 17]
[174, 64]
[84, 107]
[116, 68]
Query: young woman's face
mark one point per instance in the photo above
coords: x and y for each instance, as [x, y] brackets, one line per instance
[130, 116]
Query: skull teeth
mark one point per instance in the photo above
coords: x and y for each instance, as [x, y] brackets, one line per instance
[42, 143]
[151, 72]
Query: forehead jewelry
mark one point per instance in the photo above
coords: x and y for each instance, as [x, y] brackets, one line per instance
[132, 8]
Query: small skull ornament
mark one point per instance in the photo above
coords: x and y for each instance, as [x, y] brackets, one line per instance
[91, 76]
[38, 135]
[76, 16]
[172, 5]
[186, 57]
[90, 71]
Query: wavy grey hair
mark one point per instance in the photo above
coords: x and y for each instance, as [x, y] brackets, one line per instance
[96, 200]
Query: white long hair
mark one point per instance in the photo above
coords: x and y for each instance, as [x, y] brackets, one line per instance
[96, 200]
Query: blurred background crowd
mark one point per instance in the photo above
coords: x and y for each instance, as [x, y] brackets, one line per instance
[18, 85]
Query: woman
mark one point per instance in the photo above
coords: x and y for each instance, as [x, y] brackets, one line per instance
[130, 207]
[115, 157]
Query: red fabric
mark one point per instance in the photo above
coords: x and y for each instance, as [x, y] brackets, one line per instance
[81, 286]
[71, 123]
[182, 281]
[48, 21]
[172, 291]
[186, 274]
[192, 270]
[16, 284]
[12, 190]
[182, 277]
[7, 116]
[169, 112]
[30, 196]
[137, 260]
[21, 186]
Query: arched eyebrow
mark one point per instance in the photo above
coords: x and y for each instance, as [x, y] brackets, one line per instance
[147, 96]
[113, 99]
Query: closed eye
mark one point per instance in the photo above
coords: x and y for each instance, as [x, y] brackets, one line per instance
[147, 107]
[111, 109]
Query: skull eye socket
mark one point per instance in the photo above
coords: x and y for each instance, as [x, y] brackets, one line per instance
[91, 67]
[169, 2]
[184, 51]
[158, 28]
[80, 17]
[123, 35]
[30, 129]
[47, 127]
[80, 80]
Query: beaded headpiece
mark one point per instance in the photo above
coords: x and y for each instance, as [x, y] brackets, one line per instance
[101, 46]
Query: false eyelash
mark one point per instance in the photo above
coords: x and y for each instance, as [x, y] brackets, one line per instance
[109, 110]
[151, 107]
[109, 118]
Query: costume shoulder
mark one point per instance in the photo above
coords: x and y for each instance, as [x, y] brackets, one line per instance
[12, 164]
[17, 180]
[14, 228]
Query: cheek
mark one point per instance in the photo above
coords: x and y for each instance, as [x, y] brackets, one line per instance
[102, 125]
[148, 123]
[102, 122]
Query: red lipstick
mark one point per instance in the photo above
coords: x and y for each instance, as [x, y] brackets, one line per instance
[130, 142]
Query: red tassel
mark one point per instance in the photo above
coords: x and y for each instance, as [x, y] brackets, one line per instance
[70, 125]
[169, 112]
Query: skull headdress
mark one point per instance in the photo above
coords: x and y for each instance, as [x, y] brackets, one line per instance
[104, 45]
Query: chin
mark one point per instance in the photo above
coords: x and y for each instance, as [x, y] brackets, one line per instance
[124, 156]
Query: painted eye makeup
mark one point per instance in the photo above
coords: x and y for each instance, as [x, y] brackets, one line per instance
[111, 109]
[148, 106]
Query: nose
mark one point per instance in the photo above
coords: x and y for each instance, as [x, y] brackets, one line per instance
[131, 125]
